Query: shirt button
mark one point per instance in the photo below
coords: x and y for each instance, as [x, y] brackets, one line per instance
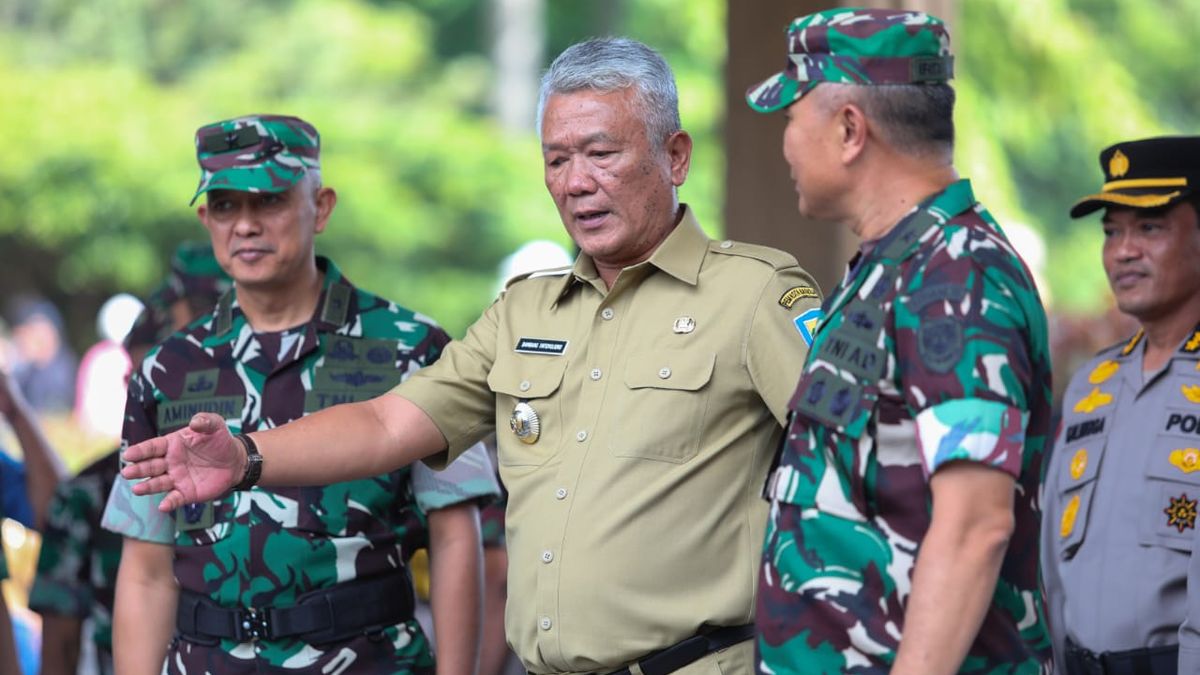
[524, 386]
[607, 313]
[547, 556]
[581, 436]
[726, 244]
[664, 373]
[545, 623]
[595, 373]
[560, 493]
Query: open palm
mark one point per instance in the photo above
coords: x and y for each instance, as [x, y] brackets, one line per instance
[195, 464]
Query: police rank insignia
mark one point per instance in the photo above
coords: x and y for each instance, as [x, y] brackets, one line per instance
[1191, 392]
[1186, 460]
[1095, 399]
[1118, 164]
[1193, 344]
[1067, 525]
[1079, 463]
[1181, 514]
[524, 423]
[1103, 370]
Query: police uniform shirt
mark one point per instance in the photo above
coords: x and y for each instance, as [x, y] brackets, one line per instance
[1121, 496]
[634, 515]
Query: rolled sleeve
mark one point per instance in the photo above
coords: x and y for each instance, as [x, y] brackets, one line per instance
[469, 478]
[136, 516]
[972, 429]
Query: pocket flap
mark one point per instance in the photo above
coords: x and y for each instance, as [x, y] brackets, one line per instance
[527, 377]
[669, 369]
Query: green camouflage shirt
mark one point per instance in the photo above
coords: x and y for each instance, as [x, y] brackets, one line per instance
[266, 547]
[933, 350]
[77, 565]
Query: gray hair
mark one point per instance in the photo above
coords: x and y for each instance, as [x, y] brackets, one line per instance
[612, 64]
[914, 118]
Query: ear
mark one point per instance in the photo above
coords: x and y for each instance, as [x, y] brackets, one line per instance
[326, 199]
[853, 132]
[679, 151]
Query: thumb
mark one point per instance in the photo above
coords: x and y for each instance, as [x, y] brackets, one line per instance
[206, 423]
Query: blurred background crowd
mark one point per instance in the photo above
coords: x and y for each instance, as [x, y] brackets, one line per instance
[426, 108]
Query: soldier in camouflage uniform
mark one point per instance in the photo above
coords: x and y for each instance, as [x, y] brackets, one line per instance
[917, 429]
[291, 580]
[1119, 558]
[77, 563]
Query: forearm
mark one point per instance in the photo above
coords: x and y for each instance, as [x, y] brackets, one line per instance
[957, 565]
[385, 433]
[60, 644]
[144, 612]
[43, 467]
[456, 576]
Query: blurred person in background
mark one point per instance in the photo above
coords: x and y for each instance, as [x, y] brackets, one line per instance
[295, 579]
[43, 365]
[78, 561]
[104, 368]
[1121, 490]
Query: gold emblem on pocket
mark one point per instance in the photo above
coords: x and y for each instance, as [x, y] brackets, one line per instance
[524, 423]
[1181, 513]
[1067, 525]
[1095, 399]
[1186, 460]
[1104, 370]
[1191, 392]
[1079, 463]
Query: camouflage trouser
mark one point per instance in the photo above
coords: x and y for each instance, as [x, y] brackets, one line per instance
[395, 650]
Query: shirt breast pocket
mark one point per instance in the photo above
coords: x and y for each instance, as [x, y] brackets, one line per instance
[661, 413]
[1075, 485]
[535, 380]
[206, 523]
[1169, 504]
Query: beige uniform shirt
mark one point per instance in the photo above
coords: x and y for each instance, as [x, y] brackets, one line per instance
[636, 517]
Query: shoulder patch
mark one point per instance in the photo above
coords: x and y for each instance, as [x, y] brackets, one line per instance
[772, 256]
[796, 293]
[552, 272]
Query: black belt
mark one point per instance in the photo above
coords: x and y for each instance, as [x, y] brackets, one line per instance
[691, 650]
[1143, 661]
[318, 617]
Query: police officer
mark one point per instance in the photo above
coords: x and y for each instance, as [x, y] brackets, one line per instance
[293, 579]
[78, 559]
[638, 396]
[917, 430]
[1122, 487]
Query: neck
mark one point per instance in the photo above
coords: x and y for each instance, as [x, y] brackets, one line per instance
[1163, 335]
[279, 308]
[889, 188]
[610, 270]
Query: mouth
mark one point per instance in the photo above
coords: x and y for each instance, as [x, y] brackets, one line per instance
[1126, 279]
[250, 254]
[589, 218]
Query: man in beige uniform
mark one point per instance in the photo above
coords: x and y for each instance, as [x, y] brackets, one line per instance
[638, 396]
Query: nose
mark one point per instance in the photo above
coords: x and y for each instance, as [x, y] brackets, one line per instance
[579, 179]
[245, 222]
[1124, 246]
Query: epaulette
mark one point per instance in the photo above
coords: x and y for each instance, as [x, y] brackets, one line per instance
[535, 274]
[1122, 347]
[772, 256]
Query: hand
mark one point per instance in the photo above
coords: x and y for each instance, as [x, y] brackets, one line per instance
[196, 464]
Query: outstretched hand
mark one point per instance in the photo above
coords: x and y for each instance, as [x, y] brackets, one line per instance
[195, 464]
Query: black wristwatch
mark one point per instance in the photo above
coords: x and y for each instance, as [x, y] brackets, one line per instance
[253, 463]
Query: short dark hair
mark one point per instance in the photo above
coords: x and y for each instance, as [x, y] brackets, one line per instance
[914, 118]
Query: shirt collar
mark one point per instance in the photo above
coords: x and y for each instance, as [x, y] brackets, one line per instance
[679, 255]
[333, 306]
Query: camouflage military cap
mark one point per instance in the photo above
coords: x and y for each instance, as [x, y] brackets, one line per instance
[256, 153]
[1145, 174]
[857, 46]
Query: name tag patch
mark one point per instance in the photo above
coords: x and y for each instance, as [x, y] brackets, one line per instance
[532, 345]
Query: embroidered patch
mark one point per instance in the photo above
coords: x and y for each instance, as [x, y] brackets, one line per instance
[1187, 424]
[796, 293]
[1067, 525]
[940, 343]
[194, 517]
[1181, 513]
[1193, 344]
[1186, 460]
[806, 323]
[1086, 428]
[1103, 370]
[1094, 400]
[1079, 463]
[530, 345]
[1191, 392]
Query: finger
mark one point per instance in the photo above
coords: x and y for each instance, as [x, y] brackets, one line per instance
[155, 447]
[147, 468]
[172, 501]
[206, 423]
[153, 485]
